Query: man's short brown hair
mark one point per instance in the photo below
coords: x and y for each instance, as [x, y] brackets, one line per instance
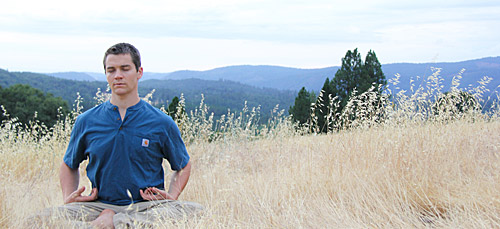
[124, 48]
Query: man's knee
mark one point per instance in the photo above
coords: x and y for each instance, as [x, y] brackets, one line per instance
[59, 216]
[47, 218]
[180, 209]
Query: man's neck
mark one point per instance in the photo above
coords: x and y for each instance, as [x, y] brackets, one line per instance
[124, 102]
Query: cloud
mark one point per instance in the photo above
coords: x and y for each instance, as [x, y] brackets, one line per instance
[201, 34]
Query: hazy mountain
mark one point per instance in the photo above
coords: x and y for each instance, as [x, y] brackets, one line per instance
[286, 78]
[97, 76]
[94, 76]
[474, 70]
[79, 76]
[313, 79]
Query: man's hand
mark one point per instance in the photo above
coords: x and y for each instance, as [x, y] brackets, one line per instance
[155, 194]
[76, 196]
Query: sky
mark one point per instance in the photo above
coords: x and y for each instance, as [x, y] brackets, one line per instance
[60, 35]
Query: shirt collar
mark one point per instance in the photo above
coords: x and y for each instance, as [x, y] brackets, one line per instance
[137, 106]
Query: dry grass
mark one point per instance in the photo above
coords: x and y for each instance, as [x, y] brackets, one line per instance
[404, 172]
[426, 175]
[430, 175]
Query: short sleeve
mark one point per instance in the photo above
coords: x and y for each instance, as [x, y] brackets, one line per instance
[174, 149]
[75, 153]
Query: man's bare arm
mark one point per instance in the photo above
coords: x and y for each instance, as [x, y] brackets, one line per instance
[179, 181]
[69, 179]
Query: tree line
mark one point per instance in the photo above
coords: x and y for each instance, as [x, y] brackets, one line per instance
[30, 104]
[354, 77]
[356, 91]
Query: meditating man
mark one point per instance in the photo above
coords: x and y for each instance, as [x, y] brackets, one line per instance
[125, 141]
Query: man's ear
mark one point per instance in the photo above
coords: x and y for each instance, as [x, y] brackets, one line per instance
[140, 71]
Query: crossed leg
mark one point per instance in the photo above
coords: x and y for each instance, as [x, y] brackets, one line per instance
[100, 215]
[104, 220]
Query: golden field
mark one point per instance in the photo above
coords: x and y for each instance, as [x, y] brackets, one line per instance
[407, 172]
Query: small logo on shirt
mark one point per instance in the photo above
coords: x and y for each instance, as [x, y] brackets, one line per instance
[145, 142]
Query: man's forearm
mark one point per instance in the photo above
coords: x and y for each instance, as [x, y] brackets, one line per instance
[69, 179]
[179, 181]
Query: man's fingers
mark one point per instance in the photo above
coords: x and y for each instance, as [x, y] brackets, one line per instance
[144, 195]
[92, 197]
[152, 194]
[160, 194]
[76, 196]
[84, 199]
[93, 194]
[157, 191]
[77, 193]
[80, 190]
[151, 191]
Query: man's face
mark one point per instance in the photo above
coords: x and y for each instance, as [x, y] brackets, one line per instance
[121, 74]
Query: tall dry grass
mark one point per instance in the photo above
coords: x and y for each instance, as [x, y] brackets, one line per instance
[418, 176]
[409, 167]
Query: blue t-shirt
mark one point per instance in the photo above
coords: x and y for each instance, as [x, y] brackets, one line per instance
[125, 154]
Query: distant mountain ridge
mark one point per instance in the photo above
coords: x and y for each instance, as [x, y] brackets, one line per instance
[287, 78]
[283, 78]
[78, 76]
[474, 71]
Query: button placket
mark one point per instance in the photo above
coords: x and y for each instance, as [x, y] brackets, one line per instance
[118, 119]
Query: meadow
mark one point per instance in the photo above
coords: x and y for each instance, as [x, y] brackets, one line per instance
[419, 166]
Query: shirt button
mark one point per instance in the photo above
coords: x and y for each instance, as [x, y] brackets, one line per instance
[114, 108]
[118, 119]
[121, 128]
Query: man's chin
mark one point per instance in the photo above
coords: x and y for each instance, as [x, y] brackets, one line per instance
[119, 91]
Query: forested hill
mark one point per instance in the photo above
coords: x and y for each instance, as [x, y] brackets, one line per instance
[66, 89]
[219, 95]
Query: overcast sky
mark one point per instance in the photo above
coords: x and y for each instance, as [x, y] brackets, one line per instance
[55, 36]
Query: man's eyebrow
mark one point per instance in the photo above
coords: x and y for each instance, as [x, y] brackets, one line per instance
[121, 66]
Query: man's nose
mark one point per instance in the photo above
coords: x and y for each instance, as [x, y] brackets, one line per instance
[118, 74]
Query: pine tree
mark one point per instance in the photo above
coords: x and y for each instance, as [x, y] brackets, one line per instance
[301, 110]
[349, 76]
[353, 78]
[323, 104]
[172, 107]
[372, 73]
